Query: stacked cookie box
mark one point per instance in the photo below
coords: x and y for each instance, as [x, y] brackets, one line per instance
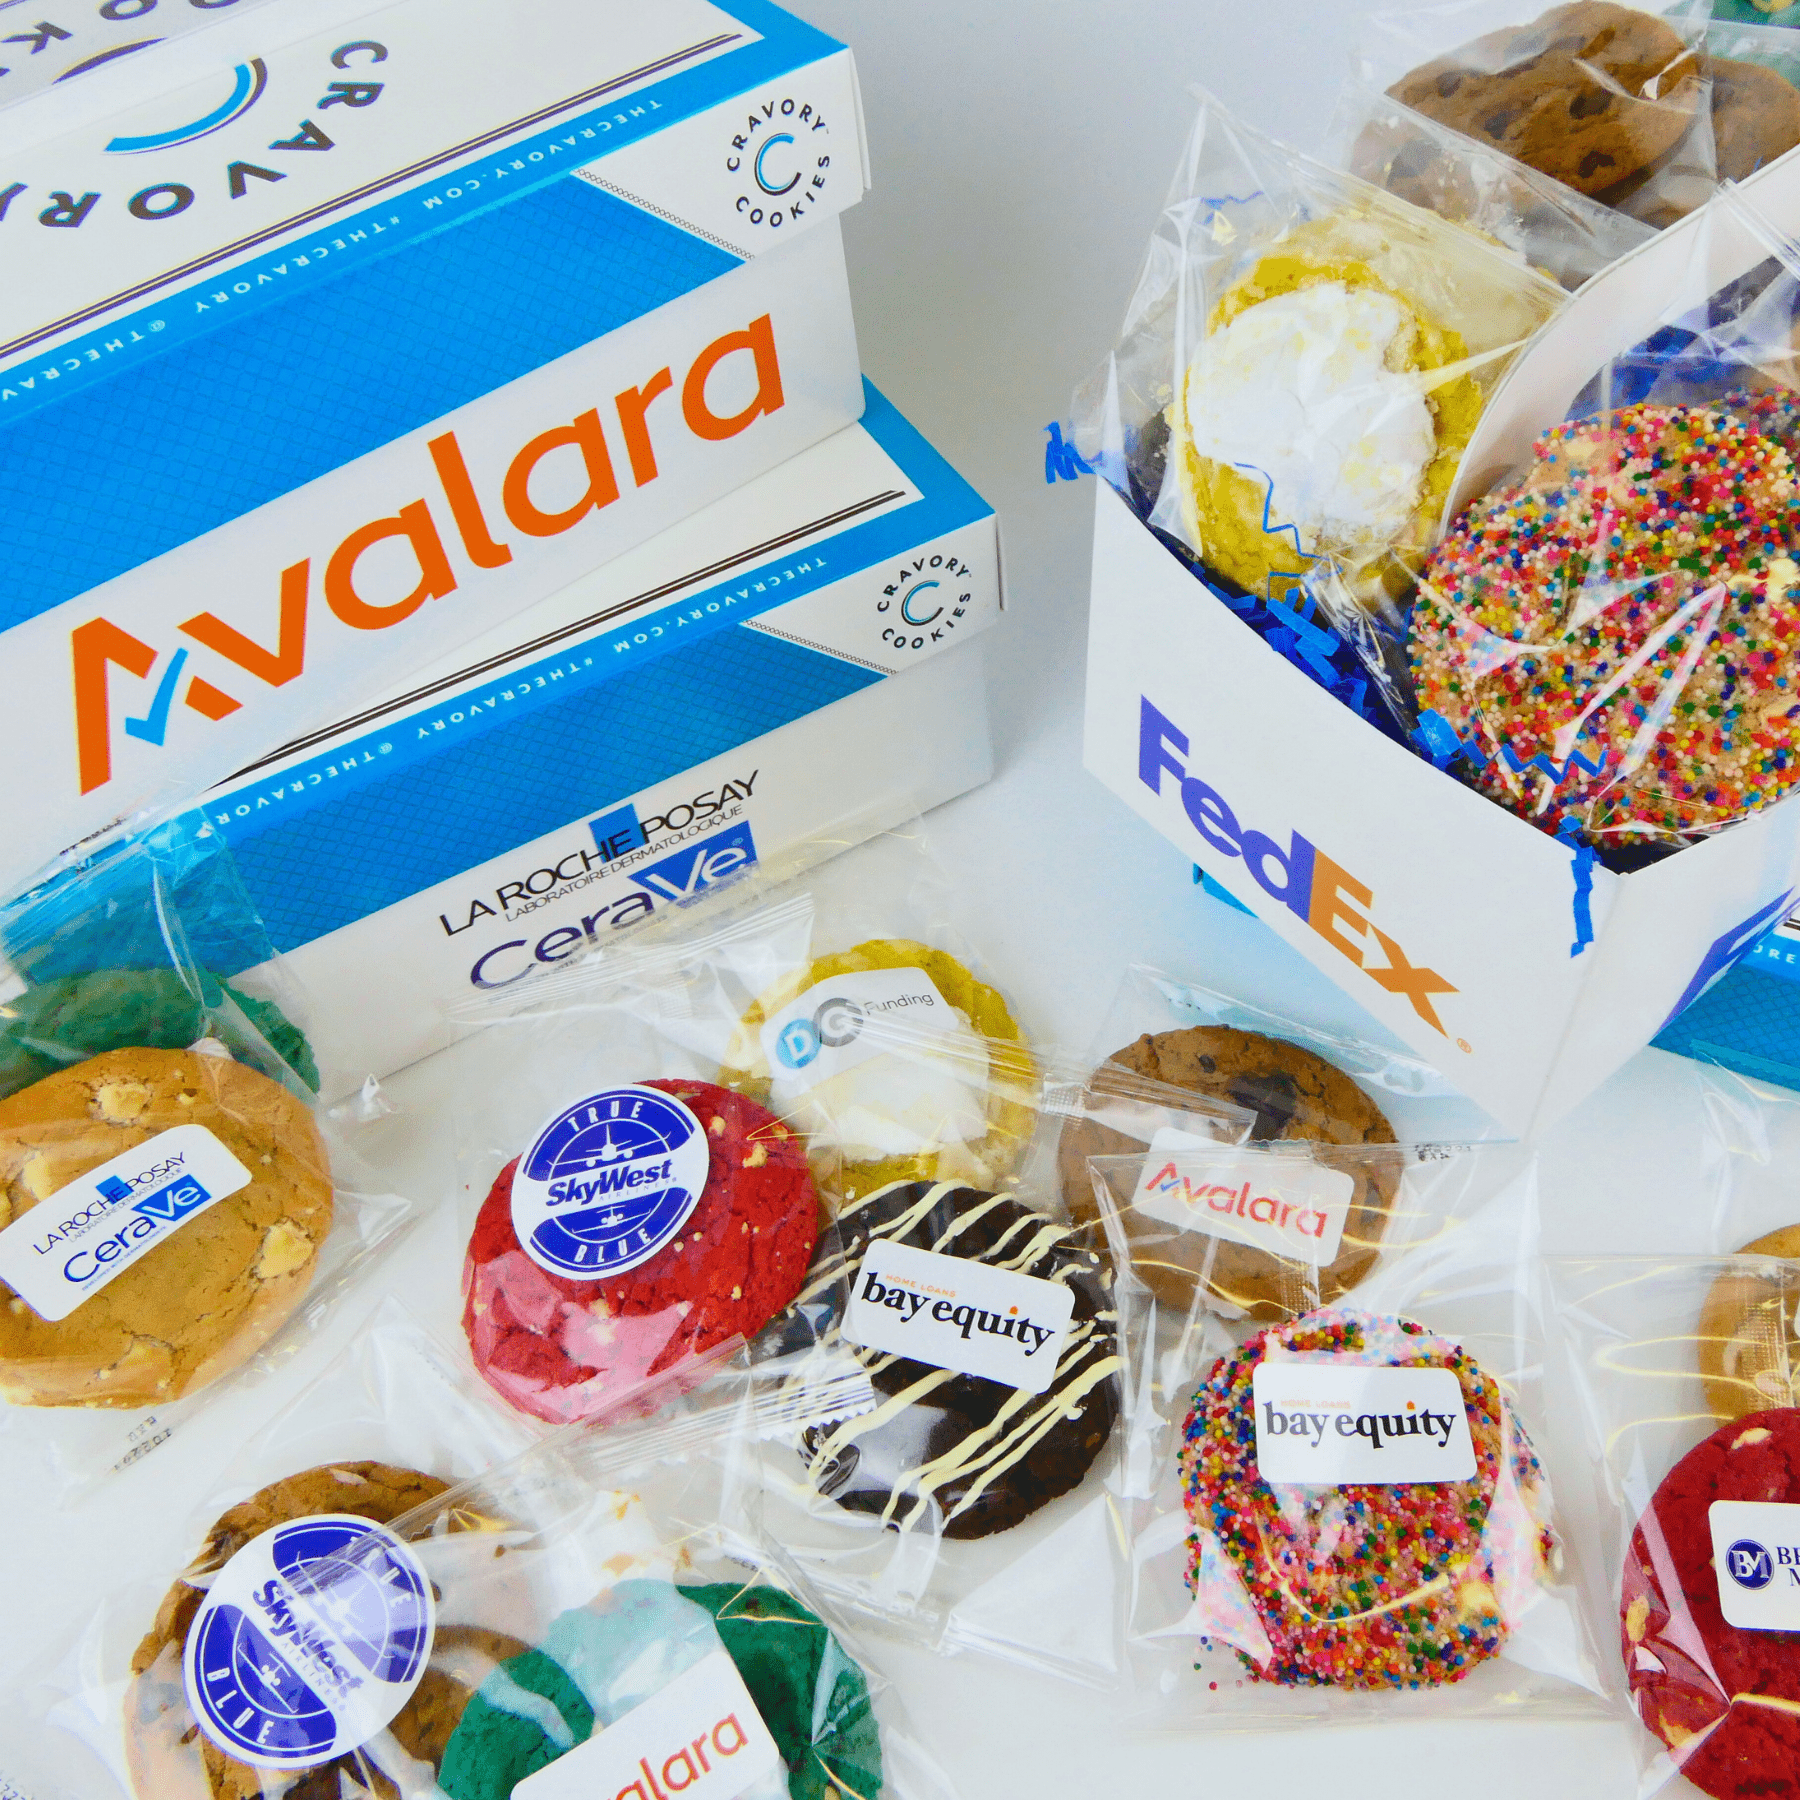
[552, 556]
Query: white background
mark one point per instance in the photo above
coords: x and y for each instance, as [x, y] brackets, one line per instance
[1020, 151]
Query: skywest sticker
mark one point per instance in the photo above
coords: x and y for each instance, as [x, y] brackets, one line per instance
[1301, 877]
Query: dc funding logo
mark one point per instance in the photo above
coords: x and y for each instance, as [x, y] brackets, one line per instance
[835, 1022]
[609, 1182]
[1750, 1565]
[310, 1641]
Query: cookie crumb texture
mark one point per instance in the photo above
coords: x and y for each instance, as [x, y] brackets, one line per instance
[171, 1759]
[1725, 1701]
[561, 1349]
[1365, 1586]
[1615, 634]
[957, 1454]
[220, 1285]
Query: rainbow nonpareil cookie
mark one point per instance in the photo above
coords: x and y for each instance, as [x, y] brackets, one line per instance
[1368, 1585]
[1613, 638]
[560, 1347]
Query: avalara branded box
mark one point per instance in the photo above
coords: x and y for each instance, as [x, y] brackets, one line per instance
[332, 335]
[802, 655]
[1522, 970]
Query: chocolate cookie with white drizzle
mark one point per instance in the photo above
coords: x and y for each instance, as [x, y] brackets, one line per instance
[959, 1454]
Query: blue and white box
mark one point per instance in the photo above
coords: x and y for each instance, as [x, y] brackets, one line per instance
[804, 656]
[332, 335]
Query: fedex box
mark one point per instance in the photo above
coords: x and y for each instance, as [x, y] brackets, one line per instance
[332, 335]
[802, 654]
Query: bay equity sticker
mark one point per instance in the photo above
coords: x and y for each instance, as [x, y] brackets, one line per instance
[1325, 1424]
[955, 1313]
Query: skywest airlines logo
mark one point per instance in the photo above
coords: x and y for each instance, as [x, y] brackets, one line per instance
[1301, 877]
[413, 538]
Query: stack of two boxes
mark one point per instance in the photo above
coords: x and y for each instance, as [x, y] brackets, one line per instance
[440, 440]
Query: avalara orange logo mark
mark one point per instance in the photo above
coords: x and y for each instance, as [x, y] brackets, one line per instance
[100, 646]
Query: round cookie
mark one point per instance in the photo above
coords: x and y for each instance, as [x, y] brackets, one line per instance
[598, 1662]
[969, 1123]
[1364, 1586]
[1755, 116]
[979, 1455]
[1295, 1095]
[1545, 633]
[219, 1285]
[562, 1349]
[75, 1017]
[1305, 427]
[1590, 94]
[1749, 1345]
[1725, 1701]
[168, 1756]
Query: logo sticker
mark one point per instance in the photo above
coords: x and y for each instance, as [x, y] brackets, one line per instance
[1323, 1424]
[827, 1029]
[309, 1641]
[608, 1182]
[1756, 1556]
[91, 1231]
[780, 162]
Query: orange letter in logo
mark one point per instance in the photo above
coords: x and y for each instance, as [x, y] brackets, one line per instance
[586, 435]
[1416, 984]
[96, 644]
[1331, 888]
[634, 420]
[288, 658]
[759, 340]
[435, 576]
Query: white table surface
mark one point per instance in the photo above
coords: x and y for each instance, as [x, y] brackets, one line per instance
[1021, 149]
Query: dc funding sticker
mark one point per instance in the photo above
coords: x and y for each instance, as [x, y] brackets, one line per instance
[1756, 1556]
[839, 1024]
[310, 1640]
[609, 1182]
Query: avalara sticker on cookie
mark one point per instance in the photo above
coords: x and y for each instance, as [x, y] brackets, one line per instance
[1321, 1424]
[608, 1182]
[1289, 1206]
[309, 1642]
[958, 1314]
[91, 1231]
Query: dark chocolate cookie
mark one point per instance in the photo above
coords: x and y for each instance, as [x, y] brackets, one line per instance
[966, 1455]
[1294, 1095]
[1591, 94]
[1755, 116]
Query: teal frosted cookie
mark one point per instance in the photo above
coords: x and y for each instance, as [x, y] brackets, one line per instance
[75, 1017]
[596, 1663]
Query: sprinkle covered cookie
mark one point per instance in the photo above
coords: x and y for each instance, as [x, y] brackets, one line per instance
[1369, 1584]
[561, 1347]
[1613, 638]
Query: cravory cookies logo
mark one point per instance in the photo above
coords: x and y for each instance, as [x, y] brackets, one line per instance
[779, 159]
[924, 602]
[70, 37]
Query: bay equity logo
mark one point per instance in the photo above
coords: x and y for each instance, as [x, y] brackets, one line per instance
[422, 549]
[1298, 875]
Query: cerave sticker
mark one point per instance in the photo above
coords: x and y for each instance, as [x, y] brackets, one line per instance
[91, 1231]
[1756, 1557]
[1325, 1424]
[309, 1641]
[608, 1182]
[1289, 1206]
[836, 1025]
[957, 1314]
[701, 1737]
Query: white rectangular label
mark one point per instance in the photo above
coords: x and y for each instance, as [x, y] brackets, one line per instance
[1322, 1424]
[700, 1737]
[74, 1243]
[1286, 1205]
[958, 1314]
[827, 1029]
[1756, 1557]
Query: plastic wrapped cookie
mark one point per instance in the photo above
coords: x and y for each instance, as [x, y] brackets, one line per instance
[896, 1063]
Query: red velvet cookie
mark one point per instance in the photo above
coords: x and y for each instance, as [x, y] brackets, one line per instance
[562, 1349]
[1726, 1701]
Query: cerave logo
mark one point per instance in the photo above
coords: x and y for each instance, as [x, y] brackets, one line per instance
[927, 598]
[608, 1182]
[128, 686]
[1298, 875]
[779, 160]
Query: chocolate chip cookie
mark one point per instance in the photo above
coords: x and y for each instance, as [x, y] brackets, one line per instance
[219, 1284]
[1590, 94]
[1295, 1095]
[171, 1759]
[1749, 1348]
[1755, 116]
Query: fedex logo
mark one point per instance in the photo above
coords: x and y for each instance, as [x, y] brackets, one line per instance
[1299, 876]
[424, 549]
